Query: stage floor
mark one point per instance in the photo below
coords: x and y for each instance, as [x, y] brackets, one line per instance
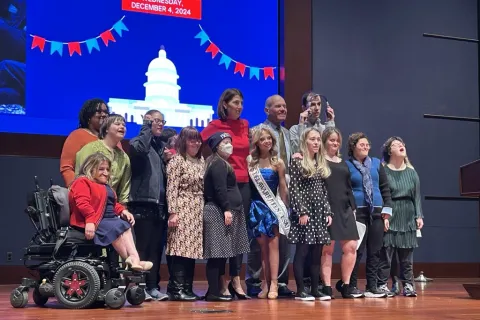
[441, 299]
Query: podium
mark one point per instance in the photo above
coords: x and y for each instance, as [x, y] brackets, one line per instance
[470, 187]
[469, 173]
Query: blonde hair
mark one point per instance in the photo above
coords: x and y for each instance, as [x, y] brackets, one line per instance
[91, 164]
[327, 132]
[387, 148]
[255, 153]
[319, 164]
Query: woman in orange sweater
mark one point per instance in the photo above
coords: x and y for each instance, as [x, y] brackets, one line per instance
[95, 211]
[91, 117]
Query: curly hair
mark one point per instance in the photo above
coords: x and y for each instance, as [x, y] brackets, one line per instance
[353, 140]
[255, 153]
[88, 110]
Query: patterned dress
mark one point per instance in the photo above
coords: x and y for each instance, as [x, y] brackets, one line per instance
[222, 194]
[185, 198]
[308, 196]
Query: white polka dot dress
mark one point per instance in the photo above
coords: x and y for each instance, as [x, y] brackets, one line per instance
[308, 196]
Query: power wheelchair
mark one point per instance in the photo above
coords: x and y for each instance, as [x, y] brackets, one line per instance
[70, 268]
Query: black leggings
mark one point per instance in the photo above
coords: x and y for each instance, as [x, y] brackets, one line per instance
[301, 253]
[215, 269]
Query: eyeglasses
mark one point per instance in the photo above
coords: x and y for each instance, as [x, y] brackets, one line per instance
[158, 121]
[103, 112]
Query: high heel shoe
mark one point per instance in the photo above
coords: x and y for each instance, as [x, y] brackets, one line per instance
[273, 293]
[146, 265]
[130, 265]
[234, 292]
[264, 293]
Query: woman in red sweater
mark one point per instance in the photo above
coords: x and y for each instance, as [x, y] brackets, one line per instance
[229, 109]
[94, 210]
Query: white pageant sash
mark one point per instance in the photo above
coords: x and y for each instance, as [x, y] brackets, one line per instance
[274, 203]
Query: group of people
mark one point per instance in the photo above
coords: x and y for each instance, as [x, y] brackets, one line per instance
[232, 190]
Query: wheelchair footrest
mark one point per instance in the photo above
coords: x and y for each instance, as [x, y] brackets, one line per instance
[132, 272]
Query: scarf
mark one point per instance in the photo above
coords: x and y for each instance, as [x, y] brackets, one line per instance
[364, 169]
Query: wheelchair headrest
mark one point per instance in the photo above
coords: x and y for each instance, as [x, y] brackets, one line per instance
[59, 195]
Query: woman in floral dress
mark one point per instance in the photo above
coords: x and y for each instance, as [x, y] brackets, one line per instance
[185, 207]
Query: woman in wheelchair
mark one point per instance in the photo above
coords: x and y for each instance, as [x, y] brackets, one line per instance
[95, 211]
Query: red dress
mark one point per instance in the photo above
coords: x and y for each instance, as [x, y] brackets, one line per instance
[238, 129]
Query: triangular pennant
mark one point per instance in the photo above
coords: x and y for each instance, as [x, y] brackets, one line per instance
[74, 47]
[38, 42]
[107, 36]
[202, 36]
[119, 27]
[268, 72]
[56, 47]
[239, 67]
[224, 59]
[254, 72]
[213, 49]
[92, 43]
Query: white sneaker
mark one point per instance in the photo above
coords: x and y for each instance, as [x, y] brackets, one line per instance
[385, 289]
[147, 296]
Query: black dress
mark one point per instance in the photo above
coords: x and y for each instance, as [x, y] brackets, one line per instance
[111, 226]
[222, 194]
[342, 202]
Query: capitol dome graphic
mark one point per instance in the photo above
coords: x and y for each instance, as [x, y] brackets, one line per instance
[162, 93]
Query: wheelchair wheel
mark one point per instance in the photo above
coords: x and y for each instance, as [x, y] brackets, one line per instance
[19, 298]
[38, 298]
[115, 299]
[135, 295]
[76, 284]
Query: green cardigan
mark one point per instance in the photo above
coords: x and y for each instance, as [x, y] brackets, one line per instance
[120, 172]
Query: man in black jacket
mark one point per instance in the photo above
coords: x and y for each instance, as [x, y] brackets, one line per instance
[148, 157]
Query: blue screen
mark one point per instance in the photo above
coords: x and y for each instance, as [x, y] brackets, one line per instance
[184, 81]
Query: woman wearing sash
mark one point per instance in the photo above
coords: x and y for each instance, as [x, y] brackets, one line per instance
[344, 227]
[224, 226]
[311, 214]
[268, 211]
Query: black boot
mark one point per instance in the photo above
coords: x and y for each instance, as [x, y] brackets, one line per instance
[176, 288]
[190, 271]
